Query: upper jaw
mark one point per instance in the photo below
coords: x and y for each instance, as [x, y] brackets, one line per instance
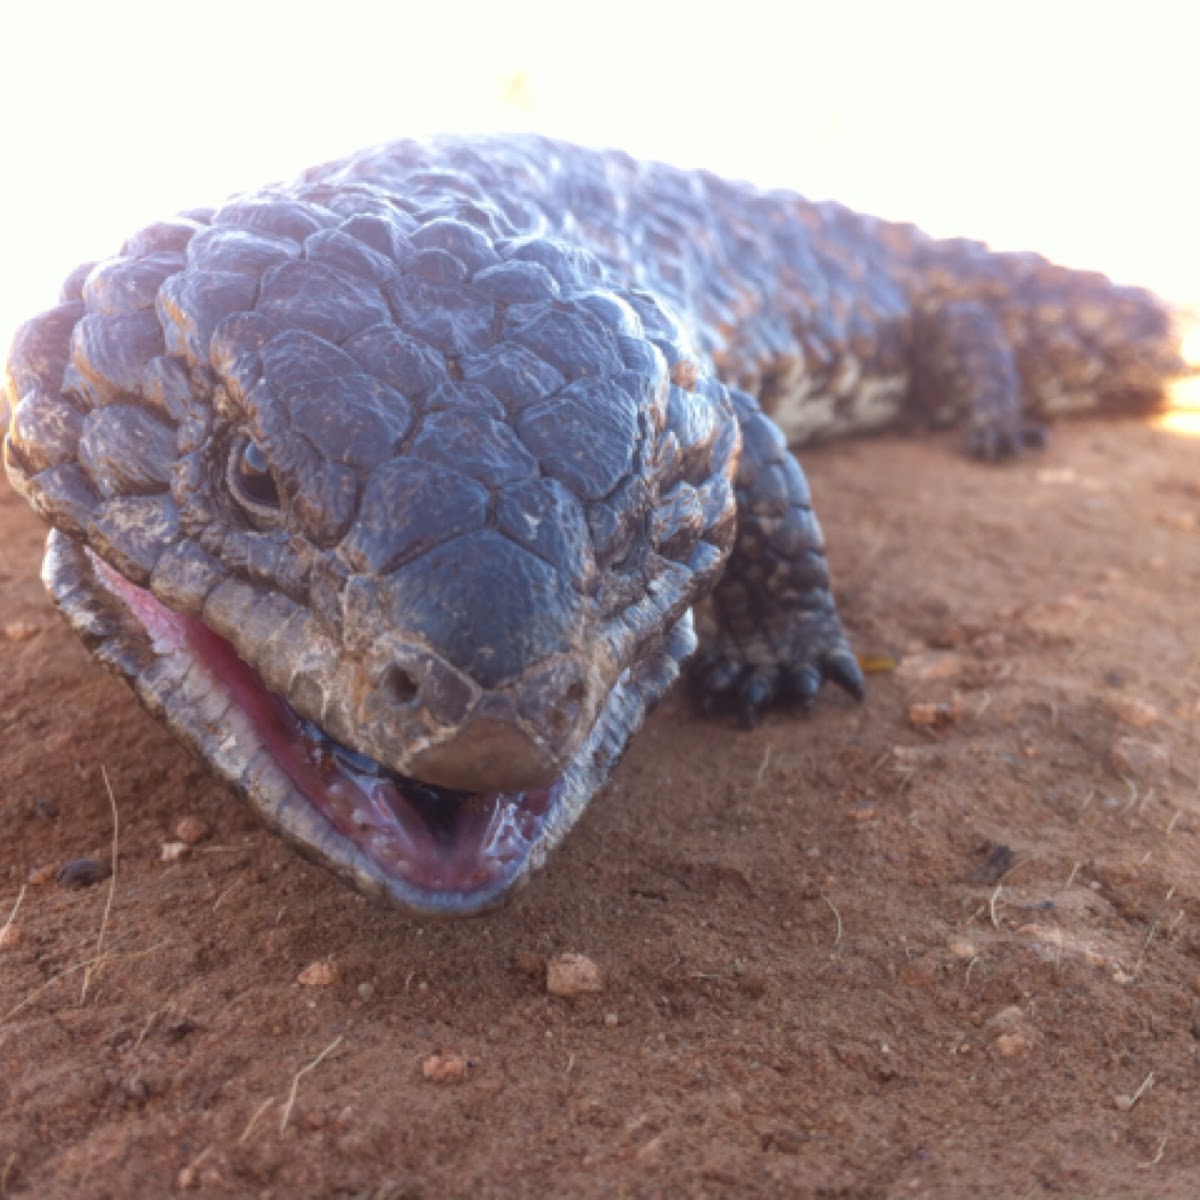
[158, 657]
[397, 699]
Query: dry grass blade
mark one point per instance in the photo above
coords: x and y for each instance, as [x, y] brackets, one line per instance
[1162, 1145]
[837, 916]
[100, 960]
[112, 885]
[12, 916]
[1137, 966]
[1144, 1087]
[258, 1112]
[316, 1062]
[222, 897]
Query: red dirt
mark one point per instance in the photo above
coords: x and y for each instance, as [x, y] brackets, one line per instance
[936, 945]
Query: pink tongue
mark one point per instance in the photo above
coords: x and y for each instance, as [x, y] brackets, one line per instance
[440, 845]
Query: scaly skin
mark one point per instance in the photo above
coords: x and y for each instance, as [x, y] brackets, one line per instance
[392, 491]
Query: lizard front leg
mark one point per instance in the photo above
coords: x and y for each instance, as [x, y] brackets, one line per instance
[778, 634]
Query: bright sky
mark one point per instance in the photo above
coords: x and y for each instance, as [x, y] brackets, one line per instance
[1071, 128]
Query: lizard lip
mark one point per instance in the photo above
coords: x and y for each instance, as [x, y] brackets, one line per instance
[438, 849]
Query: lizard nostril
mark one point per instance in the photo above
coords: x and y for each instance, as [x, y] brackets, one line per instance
[562, 716]
[400, 685]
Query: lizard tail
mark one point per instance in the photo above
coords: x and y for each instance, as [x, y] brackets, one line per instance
[1086, 344]
[1080, 342]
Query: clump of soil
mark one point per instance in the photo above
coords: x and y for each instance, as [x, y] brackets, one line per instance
[945, 943]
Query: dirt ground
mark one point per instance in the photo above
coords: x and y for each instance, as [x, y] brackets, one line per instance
[946, 943]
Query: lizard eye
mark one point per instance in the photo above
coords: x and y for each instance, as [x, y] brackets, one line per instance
[251, 482]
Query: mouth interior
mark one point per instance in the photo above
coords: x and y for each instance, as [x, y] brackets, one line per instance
[434, 839]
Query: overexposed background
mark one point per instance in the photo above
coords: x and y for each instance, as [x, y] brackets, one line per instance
[1067, 127]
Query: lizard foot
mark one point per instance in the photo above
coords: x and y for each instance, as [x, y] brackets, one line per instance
[996, 443]
[748, 678]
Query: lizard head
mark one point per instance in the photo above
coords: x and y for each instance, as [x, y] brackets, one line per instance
[394, 516]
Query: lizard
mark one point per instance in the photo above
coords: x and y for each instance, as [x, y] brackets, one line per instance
[393, 490]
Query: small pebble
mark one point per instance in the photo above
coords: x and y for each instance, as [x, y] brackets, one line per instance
[174, 851]
[319, 974]
[446, 1068]
[1056, 475]
[932, 664]
[571, 975]
[366, 991]
[81, 873]
[530, 963]
[1013, 1045]
[191, 830]
[785, 1141]
[1136, 758]
[998, 861]
[1059, 617]
[1008, 1017]
[204, 1171]
[1131, 710]
[41, 875]
[927, 714]
[611, 1020]
[961, 949]
[10, 936]
[1182, 522]
[990, 645]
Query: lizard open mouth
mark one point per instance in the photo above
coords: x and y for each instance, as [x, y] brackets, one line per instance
[431, 850]
[445, 850]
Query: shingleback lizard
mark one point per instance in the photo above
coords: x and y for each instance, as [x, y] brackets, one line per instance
[392, 490]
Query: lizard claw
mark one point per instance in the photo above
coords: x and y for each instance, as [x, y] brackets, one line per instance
[842, 667]
[754, 694]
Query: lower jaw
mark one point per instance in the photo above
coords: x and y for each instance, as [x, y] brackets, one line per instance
[337, 816]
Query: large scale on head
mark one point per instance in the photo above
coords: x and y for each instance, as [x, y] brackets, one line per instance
[391, 505]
